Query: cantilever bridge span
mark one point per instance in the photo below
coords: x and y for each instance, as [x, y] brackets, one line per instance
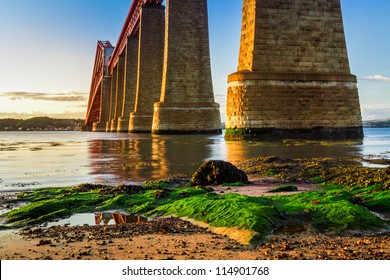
[106, 59]
[158, 76]
[103, 54]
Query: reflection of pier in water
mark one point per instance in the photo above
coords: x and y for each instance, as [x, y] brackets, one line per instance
[134, 158]
[240, 150]
[119, 218]
[145, 157]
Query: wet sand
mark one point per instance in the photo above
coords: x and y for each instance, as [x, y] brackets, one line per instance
[175, 239]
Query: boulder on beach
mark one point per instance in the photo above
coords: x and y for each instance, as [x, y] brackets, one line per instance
[217, 172]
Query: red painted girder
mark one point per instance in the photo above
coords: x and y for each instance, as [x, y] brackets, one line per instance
[130, 27]
[97, 76]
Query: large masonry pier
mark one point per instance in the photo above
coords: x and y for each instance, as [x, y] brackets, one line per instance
[130, 82]
[187, 99]
[150, 61]
[293, 77]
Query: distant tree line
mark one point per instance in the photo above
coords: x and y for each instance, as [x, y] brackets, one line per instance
[377, 123]
[40, 123]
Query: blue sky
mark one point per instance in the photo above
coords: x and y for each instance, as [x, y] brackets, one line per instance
[47, 51]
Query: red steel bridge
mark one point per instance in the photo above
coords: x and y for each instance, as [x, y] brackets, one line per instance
[107, 58]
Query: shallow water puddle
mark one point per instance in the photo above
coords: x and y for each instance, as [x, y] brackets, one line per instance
[384, 217]
[99, 218]
[290, 229]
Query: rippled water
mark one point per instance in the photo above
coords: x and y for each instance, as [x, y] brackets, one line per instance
[31, 160]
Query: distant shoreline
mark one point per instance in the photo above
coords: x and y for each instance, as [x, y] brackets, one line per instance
[40, 124]
[377, 124]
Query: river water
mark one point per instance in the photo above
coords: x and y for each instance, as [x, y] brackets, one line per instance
[30, 160]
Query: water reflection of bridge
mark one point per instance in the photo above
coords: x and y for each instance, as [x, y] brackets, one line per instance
[140, 157]
[145, 157]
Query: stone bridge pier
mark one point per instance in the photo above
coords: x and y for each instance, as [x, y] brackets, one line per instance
[149, 70]
[130, 82]
[186, 103]
[117, 93]
[293, 78]
[104, 113]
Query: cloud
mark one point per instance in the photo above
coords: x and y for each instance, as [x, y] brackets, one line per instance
[376, 112]
[71, 96]
[376, 78]
[83, 105]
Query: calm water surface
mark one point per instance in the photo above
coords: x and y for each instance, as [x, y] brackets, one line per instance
[31, 160]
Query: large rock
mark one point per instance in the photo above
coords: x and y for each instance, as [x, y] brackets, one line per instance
[217, 172]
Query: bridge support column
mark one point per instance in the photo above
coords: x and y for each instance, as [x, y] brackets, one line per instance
[187, 99]
[130, 86]
[293, 77]
[114, 77]
[150, 62]
[104, 105]
[119, 88]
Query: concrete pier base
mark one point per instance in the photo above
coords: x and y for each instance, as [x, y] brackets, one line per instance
[292, 105]
[123, 125]
[84, 128]
[99, 127]
[113, 126]
[140, 123]
[182, 118]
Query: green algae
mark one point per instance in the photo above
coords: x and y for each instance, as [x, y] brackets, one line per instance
[329, 210]
[236, 184]
[155, 185]
[58, 203]
[230, 210]
[374, 198]
[318, 170]
[334, 207]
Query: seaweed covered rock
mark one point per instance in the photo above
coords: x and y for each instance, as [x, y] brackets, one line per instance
[217, 172]
[284, 189]
[87, 187]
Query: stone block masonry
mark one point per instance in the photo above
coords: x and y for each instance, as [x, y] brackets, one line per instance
[187, 100]
[293, 77]
[117, 107]
[130, 83]
[150, 65]
[104, 105]
[111, 122]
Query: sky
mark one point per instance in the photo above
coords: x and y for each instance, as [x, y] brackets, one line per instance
[47, 52]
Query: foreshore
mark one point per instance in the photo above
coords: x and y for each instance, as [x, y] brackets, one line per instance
[175, 239]
[329, 221]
